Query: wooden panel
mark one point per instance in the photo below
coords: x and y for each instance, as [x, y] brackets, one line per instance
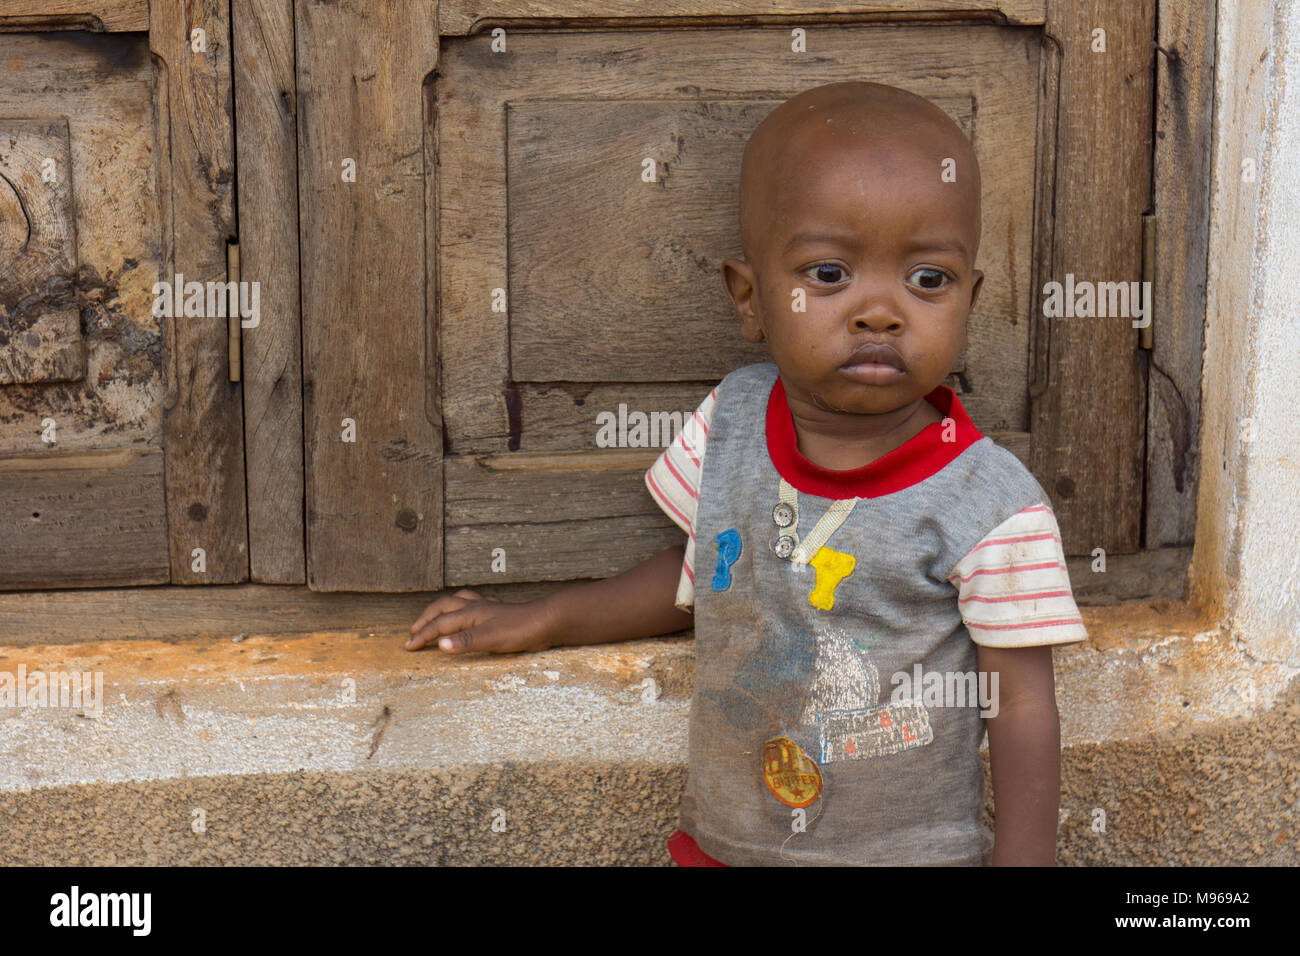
[559, 273]
[459, 17]
[267, 138]
[82, 519]
[1184, 122]
[579, 162]
[596, 299]
[95, 15]
[1161, 573]
[525, 506]
[202, 419]
[1088, 420]
[172, 613]
[40, 340]
[374, 505]
[98, 90]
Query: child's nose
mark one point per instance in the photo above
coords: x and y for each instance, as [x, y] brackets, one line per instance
[879, 315]
[877, 308]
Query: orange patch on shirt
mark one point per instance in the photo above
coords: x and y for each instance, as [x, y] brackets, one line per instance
[790, 774]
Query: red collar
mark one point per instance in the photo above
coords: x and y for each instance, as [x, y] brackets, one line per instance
[921, 456]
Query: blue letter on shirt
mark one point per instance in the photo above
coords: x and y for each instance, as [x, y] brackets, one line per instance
[728, 544]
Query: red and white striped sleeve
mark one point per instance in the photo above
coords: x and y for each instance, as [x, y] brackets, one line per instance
[674, 483]
[1013, 588]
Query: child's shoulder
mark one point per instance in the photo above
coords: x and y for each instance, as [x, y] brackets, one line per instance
[980, 490]
[996, 472]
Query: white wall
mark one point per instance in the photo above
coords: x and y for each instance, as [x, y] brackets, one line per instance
[1247, 554]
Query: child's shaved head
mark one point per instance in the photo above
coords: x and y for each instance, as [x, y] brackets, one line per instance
[882, 126]
[860, 222]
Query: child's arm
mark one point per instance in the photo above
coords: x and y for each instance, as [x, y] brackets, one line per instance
[1024, 752]
[637, 603]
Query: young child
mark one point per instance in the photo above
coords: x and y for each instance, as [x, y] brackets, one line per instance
[866, 550]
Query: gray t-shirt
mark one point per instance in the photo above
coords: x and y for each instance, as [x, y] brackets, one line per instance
[814, 737]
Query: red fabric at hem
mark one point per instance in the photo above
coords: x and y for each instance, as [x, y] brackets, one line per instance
[687, 852]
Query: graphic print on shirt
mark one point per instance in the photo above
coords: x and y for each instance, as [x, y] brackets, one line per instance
[728, 545]
[790, 774]
[841, 704]
[832, 567]
[835, 685]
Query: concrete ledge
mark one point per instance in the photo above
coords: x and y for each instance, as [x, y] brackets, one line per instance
[336, 747]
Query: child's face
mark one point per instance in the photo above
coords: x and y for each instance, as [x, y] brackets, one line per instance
[882, 251]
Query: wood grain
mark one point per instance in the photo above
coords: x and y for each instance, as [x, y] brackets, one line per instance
[180, 613]
[374, 506]
[83, 519]
[40, 341]
[459, 17]
[95, 15]
[267, 137]
[1088, 419]
[202, 418]
[103, 522]
[1184, 123]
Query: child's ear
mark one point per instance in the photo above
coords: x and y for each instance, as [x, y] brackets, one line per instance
[975, 289]
[739, 283]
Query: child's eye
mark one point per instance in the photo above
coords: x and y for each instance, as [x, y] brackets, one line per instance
[825, 272]
[931, 279]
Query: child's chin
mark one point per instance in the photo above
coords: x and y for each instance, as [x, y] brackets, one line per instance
[862, 400]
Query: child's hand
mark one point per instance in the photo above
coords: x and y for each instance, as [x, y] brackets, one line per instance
[466, 621]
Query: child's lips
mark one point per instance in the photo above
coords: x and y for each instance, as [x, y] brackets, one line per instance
[875, 365]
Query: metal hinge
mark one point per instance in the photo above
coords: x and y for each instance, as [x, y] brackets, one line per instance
[232, 320]
[1146, 333]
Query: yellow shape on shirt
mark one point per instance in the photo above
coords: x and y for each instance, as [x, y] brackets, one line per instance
[832, 567]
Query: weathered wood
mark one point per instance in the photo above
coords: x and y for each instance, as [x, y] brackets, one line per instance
[178, 613]
[1159, 573]
[556, 551]
[374, 506]
[1088, 420]
[202, 418]
[460, 17]
[518, 487]
[551, 516]
[267, 138]
[95, 15]
[1184, 121]
[1040, 271]
[39, 341]
[83, 518]
[98, 90]
[573, 322]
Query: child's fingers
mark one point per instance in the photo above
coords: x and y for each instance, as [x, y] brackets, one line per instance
[461, 641]
[452, 602]
[445, 625]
